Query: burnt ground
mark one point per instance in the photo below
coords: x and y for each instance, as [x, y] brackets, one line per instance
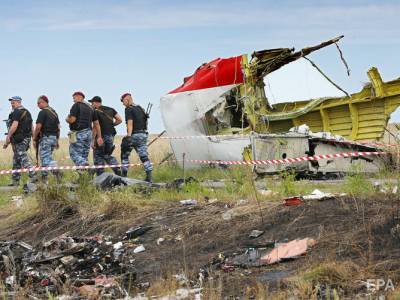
[363, 231]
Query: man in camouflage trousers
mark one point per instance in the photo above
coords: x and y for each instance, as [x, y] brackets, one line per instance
[19, 135]
[136, 138]
[108, 119]
[46, 135]
[81, 120]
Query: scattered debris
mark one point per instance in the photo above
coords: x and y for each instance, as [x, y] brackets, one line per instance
[67, 260]
[18, 201]
[395, 231]
[256, 233]
[85, 262]
[160, 240]
[318, 195]
[227, 268]
[188, 294]
[103, 280]
[29, 187]
[108, 181]
[213, 184]
[242, 202]
[181, 278]
[117, 245]
[395, 189]
[302, 129]
[89, 291]
[292, 201]
[178, 238]
[10, 280]
[250, 258]
[180, 183]
[266, 192]
[315, 195]
[210, 201]
[385, 187]
[139, 249]
[288, 250]
[227, 215]
[135, 232]
[188, 202]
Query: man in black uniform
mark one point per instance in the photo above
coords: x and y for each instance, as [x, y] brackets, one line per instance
[81, 119]
[19, 135]
[46, 135]
[108, 119]
[136, 137]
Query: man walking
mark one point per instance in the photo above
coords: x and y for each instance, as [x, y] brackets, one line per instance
[46, 135]
[82, 119]
[19, 135]
[136, 137]
[108, 119]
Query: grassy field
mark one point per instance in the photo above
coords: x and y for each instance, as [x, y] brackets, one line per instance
[351, 231]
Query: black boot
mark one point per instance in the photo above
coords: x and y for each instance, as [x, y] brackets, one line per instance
[44, 180]
[91, 173]
[117, 171]
[59, 175]
[148, 177]
[124, 173]
[33, 179]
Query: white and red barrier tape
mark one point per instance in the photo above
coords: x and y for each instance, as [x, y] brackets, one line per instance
[197, 161]
[188, 137]
[65, 168]
[288, 160]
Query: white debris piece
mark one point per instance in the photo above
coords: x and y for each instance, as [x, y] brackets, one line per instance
[188, 202]
[227, 215]
[318, 195]
[10, 280]
[117, 245]
[302, 129]
[266, 192]
[242, 202]
[255, 233]
[18, 201]
[395, 189]
[139, 249]
[328, 135]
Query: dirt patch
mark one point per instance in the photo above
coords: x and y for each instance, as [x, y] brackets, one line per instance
[187, 239]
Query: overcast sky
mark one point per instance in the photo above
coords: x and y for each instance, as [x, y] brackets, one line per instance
[107, 48]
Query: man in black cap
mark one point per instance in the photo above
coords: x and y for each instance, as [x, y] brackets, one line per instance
[19, 135]
[108, 119]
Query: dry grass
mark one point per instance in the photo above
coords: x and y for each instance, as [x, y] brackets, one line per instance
[53, 209]
[157, 150]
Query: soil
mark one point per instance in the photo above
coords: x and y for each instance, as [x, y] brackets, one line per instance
[365, 231]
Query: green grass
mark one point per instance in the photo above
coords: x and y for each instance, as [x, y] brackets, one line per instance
[356, 183]
[238, 185]
[5, 198]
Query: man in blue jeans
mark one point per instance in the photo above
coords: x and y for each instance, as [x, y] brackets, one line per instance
[46, 135]
[83, 123]
[136, 137]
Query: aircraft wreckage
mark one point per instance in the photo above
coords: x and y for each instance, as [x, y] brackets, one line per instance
[225, 100]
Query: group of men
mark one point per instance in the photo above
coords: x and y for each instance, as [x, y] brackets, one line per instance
[91, 126]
